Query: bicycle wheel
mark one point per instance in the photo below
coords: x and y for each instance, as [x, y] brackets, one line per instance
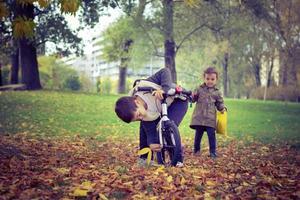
[171, 151]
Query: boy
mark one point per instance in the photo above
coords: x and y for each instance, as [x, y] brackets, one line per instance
[146, 108]
[208, 98]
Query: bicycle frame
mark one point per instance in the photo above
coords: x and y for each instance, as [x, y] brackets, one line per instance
[161, 123]
[167, 135]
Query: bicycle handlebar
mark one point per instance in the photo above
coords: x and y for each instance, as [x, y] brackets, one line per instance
[171, 92]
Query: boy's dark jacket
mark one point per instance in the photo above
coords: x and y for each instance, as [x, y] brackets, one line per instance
[208, 99]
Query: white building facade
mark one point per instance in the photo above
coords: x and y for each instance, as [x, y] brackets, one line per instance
[94, 67]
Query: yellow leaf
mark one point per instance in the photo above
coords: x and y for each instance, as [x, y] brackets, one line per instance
[129, 183]
[192, 3]
[44, 3]
[245, 184]
[264, 148]
[80, 192]
[182, 181]
[70, 7]
[23, 27]
[166, 187]
[159, 170]
[102, 196]
[170, 179]
[210, 183]
[63, 170]
[197, 177]
[87, 185]
[207, 196]
[3, 10]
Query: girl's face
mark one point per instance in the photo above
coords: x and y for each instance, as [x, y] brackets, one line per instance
[210, 79]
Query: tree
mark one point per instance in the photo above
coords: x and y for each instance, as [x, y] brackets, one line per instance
[21, 16]
[283, 18]
[119, 39]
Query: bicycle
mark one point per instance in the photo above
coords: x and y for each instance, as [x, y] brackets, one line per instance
[168, 131]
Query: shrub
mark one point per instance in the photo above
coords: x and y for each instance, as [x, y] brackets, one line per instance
[72, 83]
[280, 93]
[106, 85]
[5, 75]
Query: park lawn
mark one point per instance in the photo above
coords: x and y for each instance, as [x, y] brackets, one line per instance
[55, 114]
[48, 149]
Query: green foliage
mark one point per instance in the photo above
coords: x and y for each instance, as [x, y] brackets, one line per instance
[106, 85]
[86, 84]
[56, 76]
[129, 84]
[72, 83]
[69, 7]
[98, 85]
[23, 27]
[124, 29]
[114, 38]
[3, 10]
[5, 75]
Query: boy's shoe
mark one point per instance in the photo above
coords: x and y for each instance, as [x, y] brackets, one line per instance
[143, 163]
[179, 164]
[213, 155]
[197, 153]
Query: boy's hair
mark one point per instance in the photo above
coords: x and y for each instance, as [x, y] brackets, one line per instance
[125, 108]
[211, 70]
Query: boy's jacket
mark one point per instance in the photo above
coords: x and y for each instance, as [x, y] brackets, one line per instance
[151, 101]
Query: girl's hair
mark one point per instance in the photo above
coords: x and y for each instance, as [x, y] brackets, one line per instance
[211, 70]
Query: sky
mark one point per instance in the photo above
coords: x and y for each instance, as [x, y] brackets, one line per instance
[88, 34]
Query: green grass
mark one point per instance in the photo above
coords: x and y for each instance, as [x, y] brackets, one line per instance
[48, 113]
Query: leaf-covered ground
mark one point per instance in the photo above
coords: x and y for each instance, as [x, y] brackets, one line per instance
[77, 168]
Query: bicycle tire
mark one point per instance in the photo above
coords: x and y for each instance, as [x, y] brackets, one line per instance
[171, 142]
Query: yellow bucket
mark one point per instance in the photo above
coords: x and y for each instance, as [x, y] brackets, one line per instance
[222, 123]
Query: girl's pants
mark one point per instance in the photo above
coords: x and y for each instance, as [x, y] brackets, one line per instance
[211, 133]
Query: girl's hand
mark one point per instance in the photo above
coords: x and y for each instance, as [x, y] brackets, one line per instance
[158, 94]
[222, 111]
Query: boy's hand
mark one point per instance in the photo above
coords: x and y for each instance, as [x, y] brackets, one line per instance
[155, 147]
[158, 94]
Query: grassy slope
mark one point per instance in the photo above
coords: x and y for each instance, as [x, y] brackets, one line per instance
[47, 113]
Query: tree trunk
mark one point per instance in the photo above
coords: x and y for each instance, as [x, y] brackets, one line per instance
[0, 74]
[257, 74]
[169, 38]
[225, 74]
[122, 77]
[14, 72]
[123, 67]
[28, 54]
[288, 72]
[270, 73]
[30, 72]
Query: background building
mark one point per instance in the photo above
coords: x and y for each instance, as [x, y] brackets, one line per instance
[93, 67]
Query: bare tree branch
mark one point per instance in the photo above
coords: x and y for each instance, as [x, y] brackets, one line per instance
[138, 19]
[189, 35]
